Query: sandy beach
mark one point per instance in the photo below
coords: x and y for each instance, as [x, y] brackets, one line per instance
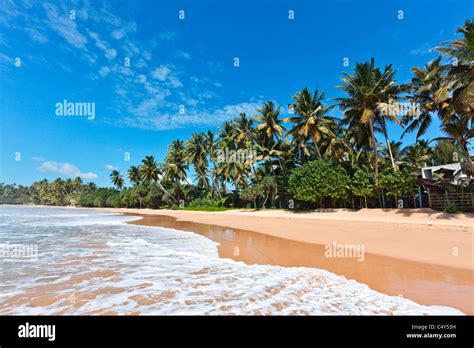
[421, 235]
[422, 255]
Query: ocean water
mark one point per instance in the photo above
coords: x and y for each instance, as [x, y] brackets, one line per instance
[84, 262]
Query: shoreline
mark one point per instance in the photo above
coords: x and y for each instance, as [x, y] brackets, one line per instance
[446, 242]
[405, 259]
[427, 283]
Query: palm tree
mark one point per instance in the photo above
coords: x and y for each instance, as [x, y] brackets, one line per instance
[311, 120]
[430, 96]
[149, 171]
[227, 133]
[463, 49]
[366, 89]
[232, 171]
[211, 150]
[268, 123]
[176, 162]
[133, 174]
[77, 183]
[458, 129]
[244, 129]
[196, 151]
[394, 153]
[117, 179]
[272, 154]
[460, 73]
[58, 191]
[417, 155]
[445, 152]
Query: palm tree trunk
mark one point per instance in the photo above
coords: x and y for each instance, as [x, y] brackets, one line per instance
[390, 152]
[317, 149]
[466, 153]
[163, 189]
[388, 144]
[376, 155]
[264, 204]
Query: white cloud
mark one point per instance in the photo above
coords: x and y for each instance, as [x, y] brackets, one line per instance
[36, 35]
[6, 59]
[110, 53]
[64, 26]
[161, 73]
[121, 32]
[65, 169]
[118, 34]
[174, 82]
[422, 50]
[168, 36]
[110, 167]
[142, 78]
[38, 158]
[164, 73]
[183, 54]
[104, 71]
[146, 116]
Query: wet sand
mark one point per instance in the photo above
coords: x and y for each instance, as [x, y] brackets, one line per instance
[423, 282]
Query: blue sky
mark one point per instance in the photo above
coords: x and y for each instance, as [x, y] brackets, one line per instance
[81, 56]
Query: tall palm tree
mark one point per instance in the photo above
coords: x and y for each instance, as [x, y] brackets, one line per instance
[273, 155]
[176, 162]
[394, 153]
[58, 192]
[244, 128]
[460, 73]
[233, 172]
[133, 174]
[211, 150]
[228, 132]
[366, 89]
[196, 151]
[461, 49]
[430, 97]
[459, 129]
[150, 173]
[268, 123]
[210, 145]
[149, 170]
[311, 121]
[77, 183]
[117, 179]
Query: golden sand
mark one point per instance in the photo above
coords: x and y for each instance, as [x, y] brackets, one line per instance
[421, 255]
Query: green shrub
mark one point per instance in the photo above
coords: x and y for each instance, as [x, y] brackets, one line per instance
[206, 202]
[317, 180]
[451, 208]
[113, 201]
